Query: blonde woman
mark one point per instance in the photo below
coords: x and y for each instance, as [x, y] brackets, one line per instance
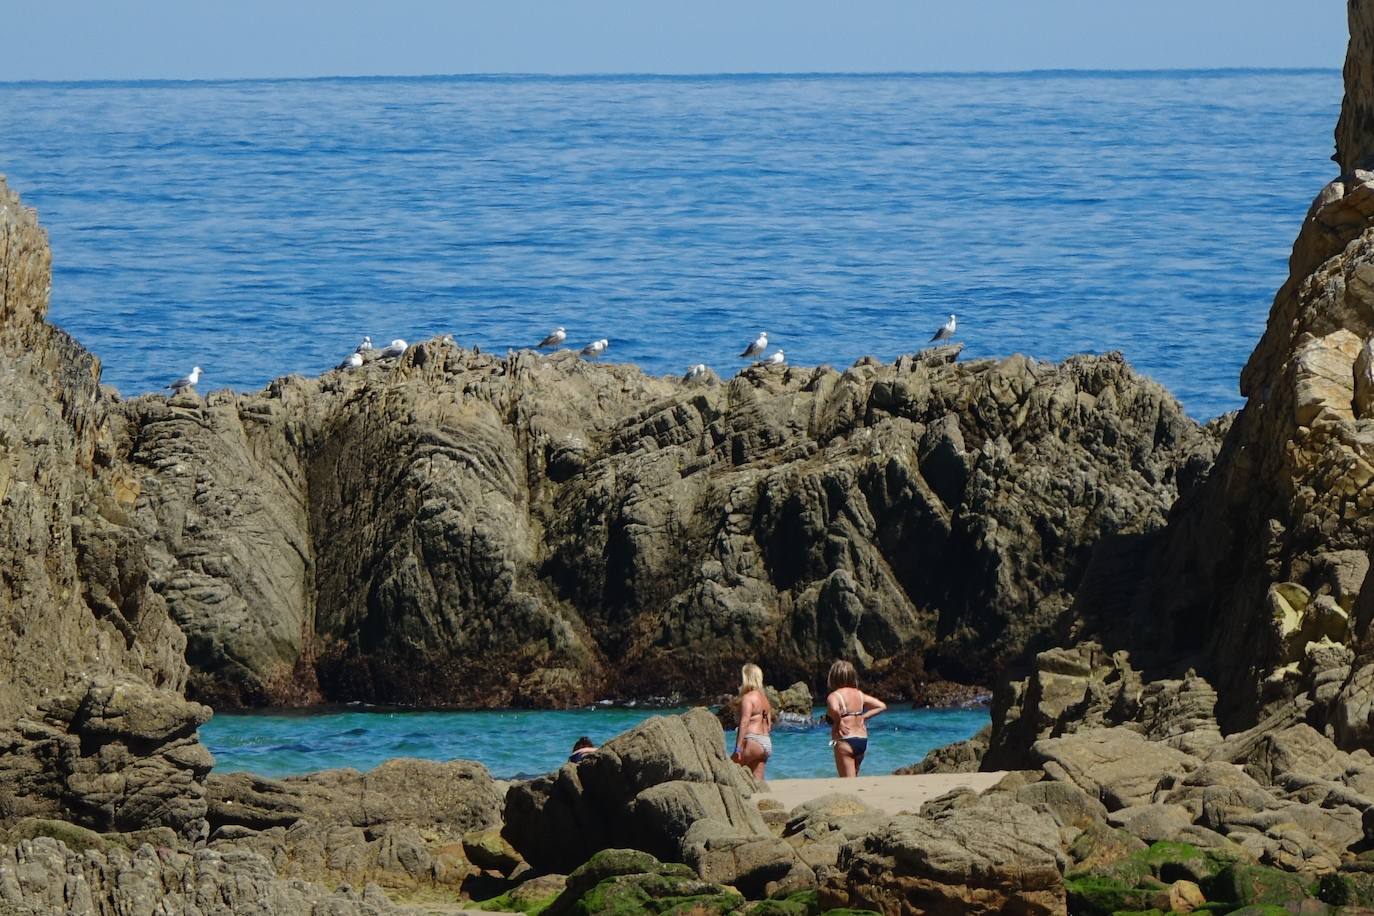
[849, 710]
[753, 739]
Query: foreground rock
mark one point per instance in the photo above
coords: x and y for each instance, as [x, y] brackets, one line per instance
[666, 788]
[43, 876]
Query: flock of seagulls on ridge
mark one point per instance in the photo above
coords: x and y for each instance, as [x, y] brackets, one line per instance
[556, 338]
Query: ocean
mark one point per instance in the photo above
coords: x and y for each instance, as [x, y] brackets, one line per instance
[260, 228]
[521, 743]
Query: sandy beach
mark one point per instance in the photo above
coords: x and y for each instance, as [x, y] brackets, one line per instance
[890, 794]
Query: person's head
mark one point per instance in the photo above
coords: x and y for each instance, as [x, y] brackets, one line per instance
[750, 678]
[583, 742]
[842, 674]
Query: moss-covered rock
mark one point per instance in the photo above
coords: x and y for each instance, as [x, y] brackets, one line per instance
[1255, 885]
[75, 838]
[1347, 889]
[624, 881]
[1103, 895]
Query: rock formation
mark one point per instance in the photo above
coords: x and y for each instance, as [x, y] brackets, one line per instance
[462, 528]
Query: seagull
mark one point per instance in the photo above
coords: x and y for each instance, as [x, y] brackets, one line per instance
[555, 339]
[775, 359]
[364, 346]
[352, 361]
[186, 381]
[694, 372]
[596, 348]
[395, 348]
[946, 330]
[757, 347]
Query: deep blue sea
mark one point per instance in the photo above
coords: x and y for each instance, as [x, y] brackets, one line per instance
[518, 743]
[261, 228]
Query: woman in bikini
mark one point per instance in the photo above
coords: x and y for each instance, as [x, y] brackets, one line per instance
[849, 710]
[753, 741]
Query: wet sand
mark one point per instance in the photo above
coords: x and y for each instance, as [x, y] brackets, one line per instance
[891, 794]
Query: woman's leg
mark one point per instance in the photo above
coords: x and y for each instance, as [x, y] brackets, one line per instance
[844, 760]
[752, 758]
[757, 768]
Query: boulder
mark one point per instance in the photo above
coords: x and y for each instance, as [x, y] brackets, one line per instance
[111, 755]
[630, 881]
[448, 800]
[649, 789]
[1114, 765]
[984, 859]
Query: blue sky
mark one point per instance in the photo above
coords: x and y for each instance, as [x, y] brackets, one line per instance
[189, 39]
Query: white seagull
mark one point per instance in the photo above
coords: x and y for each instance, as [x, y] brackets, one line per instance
[596, 348]
[757, 347]
[775, 359]
[364, 346]
[395, 348]
[554, 339]
[352, 361]
[186, 381]
[694, 372]
[946, 330]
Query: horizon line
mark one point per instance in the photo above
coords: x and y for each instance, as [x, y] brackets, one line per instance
[592, 76]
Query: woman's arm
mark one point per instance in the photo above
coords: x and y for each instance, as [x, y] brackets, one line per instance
[872, 706]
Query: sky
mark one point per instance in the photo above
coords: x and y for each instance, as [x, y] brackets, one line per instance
[192, 39]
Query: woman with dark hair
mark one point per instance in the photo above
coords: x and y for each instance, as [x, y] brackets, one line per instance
[849, 710]
[584, 747]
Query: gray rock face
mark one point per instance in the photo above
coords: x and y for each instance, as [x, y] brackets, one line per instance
[1115, 765]
[114, 756]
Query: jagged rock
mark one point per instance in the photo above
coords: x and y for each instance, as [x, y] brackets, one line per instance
[697, 528]
[112, 755]
[960, 757]
[630, 881]
[984, 859]
[1115, 765]
[43, 876]
[648, 789]
[448, 799]
[819, 828]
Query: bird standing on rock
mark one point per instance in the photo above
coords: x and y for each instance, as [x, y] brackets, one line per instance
[694, 372]
[352, 361]
[757, 347]
[946, 330]
[554, 340]
[595, 348]
[186, 381]
[775, 359]
[393, 349]
[364, 346]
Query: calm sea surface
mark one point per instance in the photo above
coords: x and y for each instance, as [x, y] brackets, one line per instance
[524, 742]
[261, 228]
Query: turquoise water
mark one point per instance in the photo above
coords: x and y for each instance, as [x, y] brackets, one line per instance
[261, 228]
[515, 743]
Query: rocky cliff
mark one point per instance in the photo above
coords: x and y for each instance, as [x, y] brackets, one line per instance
[1260, 581]
[76, 598]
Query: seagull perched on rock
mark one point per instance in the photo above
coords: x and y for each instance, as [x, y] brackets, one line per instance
[554, 340]
[596, 348]
[757, 347]
[186, 381]
[694, 372]
[775, 359]
[946, 330]
[352, 361]
[364, 346]
[393, 349]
